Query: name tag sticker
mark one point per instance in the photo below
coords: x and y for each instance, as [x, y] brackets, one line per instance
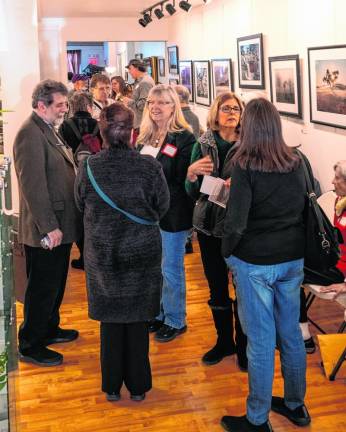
[169, 150]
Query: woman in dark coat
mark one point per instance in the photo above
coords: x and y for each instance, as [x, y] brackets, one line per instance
[122, 257]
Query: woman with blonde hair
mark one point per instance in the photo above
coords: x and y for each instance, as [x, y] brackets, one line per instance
[165, 135]
[212, 155]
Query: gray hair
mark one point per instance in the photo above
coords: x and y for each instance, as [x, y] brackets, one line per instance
[44, 92]
[80, 101]
[183, 93]
[341, 166]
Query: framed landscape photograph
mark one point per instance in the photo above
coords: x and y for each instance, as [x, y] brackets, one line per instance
[186, 76]
[201, 82]
[162, 72]
[327, 85]
[250, 61]
[285, 93]
[222, 76]
[173, 60]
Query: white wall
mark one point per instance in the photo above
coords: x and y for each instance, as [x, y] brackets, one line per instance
[19, 67]
[288, 27]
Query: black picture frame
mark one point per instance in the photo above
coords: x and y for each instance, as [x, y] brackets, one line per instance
[162, 68]
[285, 84]
[250, 62]
[186, 76]
[222, 76]
[327, 85]
[201, 82]
[173, 60]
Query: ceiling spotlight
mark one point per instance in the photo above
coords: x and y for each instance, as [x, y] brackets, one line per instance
[147, 18]
[185, 5]
[159, 13]
[142, 22]
[170, 8]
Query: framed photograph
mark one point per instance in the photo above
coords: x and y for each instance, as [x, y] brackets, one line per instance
[285, 93]
[327, 85]
[201, 82]
[162, 69]
[250, 62]
[186, 76]
[173, 81]
[139, 56]
[222, 76]
[173, 60]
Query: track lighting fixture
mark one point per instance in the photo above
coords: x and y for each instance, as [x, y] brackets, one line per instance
[147, 17]
[159, 12]
[184, 5]
[142, 22]
[170, 8]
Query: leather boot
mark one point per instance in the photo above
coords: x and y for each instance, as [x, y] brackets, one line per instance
[225, 346]
[240, 340]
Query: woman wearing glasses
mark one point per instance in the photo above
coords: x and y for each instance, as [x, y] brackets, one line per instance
[165, 135]
[212, 156]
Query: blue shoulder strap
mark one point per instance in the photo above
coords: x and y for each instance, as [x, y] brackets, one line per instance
[112, 204]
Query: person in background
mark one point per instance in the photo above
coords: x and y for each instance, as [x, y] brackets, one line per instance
[191, 118]
[263, 244]
[81, 105]
[339, 182]
[212, 155]
[119, 88]
[46, 173]
[100, 87]
[141, 87]
[80, 82]
[122, 257]
[165, 131]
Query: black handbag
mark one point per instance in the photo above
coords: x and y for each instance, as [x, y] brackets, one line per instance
[322, 239]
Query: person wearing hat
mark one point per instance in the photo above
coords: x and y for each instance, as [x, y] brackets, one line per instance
[143, 83]
[79, 82]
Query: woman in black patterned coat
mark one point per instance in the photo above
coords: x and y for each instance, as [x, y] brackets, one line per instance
[122, 257]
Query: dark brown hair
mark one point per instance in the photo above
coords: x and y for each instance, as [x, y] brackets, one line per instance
[122, 86]
[116, 122]
[262, 147]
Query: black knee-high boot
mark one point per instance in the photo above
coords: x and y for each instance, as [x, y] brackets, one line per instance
[240, 340]
[225, 346]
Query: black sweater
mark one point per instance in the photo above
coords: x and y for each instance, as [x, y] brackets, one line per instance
[264, 218]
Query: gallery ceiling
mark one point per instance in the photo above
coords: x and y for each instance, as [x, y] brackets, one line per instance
[96, 8]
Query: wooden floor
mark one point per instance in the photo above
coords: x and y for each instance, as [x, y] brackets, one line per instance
[186, 396]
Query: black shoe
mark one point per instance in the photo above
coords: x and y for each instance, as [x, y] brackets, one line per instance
[242, 424]
[310, 346]
[188, 247]
[41, 357]
[154, 325]
[137, 398]
[216, 354]
[242, 361]
[113, 397]
[168, 333]
[62, 336]
[78, 264]
[298, 416]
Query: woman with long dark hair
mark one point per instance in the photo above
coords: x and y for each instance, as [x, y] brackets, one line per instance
[263, 244]
[119, 88]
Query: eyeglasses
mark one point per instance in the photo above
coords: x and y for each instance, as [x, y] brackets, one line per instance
[227, 109]
[159, 103]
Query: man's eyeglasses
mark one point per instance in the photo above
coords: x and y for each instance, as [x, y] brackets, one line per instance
[227, 109]
[159, 103]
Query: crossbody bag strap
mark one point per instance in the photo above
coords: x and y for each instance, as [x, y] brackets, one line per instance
[112, 204]
[313, 201]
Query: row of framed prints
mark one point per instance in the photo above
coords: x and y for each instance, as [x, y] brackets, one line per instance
[327, 79]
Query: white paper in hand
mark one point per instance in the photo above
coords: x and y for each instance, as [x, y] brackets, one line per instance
[150, 150]
[209, 184]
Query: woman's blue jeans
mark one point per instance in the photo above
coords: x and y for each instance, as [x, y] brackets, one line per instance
[173, 301]
[268, 307]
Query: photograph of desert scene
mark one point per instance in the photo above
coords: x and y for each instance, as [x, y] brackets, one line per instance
[331, 86]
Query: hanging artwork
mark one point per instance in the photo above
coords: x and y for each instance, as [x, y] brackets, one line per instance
[186, 77]
[173, 60]
[250, 62]
[285, 91]
[201, 81]
[162, 72]
[327, 84]
[222, 76]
